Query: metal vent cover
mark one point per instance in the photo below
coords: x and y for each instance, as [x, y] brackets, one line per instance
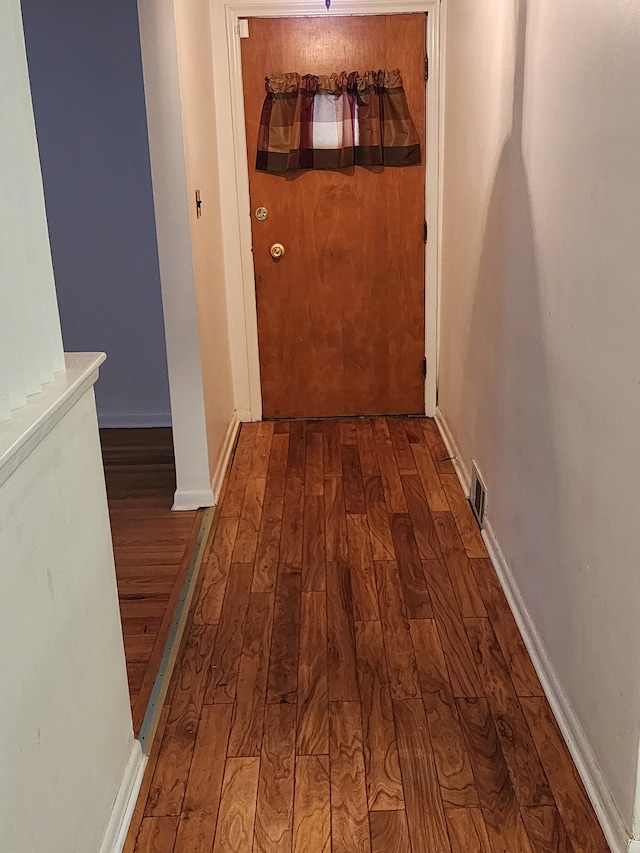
[478, 495]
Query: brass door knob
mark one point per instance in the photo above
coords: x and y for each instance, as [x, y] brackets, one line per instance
[277, 250]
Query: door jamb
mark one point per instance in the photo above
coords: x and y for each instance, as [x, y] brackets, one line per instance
[248, 329]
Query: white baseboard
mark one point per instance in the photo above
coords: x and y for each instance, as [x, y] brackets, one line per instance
[133, 420]
[224, 456]
[245, 416]
[124, 805]
[606, 811]
[196, 499]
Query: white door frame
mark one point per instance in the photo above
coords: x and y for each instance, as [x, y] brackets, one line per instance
[244, 325]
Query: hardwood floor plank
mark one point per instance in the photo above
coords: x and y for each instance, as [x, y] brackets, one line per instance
[391, 482]
[546, 831]
[250, 516]
[348, 435]
[463, 672]
[523, 675]
[332, 457]
[314, 467]
[499, 806]
[313, 545]
[342, 668]
[291, 537]
[389, 832]
[401, 446]
[401, 662]
[141, 802]
[283, 665]
[467, 831]
[570, 796]
[436, 446]
[215, 571]
[363, 579]
[378, 520]
[381, 432]
[168, 785]
[527, 776]
[414, 586]
[236, 817]
[245, 738]
[197, 825]
[457, 786]
[277, 470]
[240, 468]
[384, 784]
[430, 479]
[458, 565]
[274, 808]
[349, 811]
[464, 518]
[413, 428]
[157, 835]
[312, 805]
[261, 450]
[425, 813]
[337, 543]
[367, 448]
[265, 566]
[313, 710]
[291, 670]
[423, 526]
[352, 479]
[230, 636]
[297, 450]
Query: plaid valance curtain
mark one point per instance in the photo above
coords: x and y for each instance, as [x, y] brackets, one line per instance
[331, 122]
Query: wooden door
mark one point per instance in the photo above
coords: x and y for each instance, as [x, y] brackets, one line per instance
[341, 315]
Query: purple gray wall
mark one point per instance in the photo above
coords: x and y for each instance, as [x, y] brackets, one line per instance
[88, 98]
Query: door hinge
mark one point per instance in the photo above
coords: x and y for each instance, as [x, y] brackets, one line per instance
[424, 368]
[426, 231]
[426, 66]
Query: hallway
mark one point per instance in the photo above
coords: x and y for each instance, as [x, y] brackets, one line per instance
[352, 677]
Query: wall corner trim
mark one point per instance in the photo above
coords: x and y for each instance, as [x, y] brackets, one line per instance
[586, 763]
[224, 456]
[122, 812]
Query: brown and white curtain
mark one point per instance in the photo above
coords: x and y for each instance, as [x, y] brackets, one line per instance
[331, 122]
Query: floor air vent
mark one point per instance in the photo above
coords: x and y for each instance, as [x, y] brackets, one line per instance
[478, 496]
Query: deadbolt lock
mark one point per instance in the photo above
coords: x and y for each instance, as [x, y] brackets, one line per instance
[277, 250]
[261, 214]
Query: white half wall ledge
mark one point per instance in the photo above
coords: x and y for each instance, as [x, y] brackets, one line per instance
[616, 833]
[32, 423]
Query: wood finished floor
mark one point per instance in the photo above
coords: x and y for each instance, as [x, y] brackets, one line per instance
[352, 679]
[152, 547]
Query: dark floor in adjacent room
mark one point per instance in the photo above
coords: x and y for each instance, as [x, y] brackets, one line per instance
[152, 547]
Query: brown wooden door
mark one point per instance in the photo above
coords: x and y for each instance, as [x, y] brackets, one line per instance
[341, 315]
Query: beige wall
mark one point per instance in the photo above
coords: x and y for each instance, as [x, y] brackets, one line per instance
[195, 64]
[540, 350]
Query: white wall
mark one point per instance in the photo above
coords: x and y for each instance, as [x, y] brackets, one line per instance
[171, 200]
[65, 723]
[195, 64]
[540, 351]
[86, 79]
